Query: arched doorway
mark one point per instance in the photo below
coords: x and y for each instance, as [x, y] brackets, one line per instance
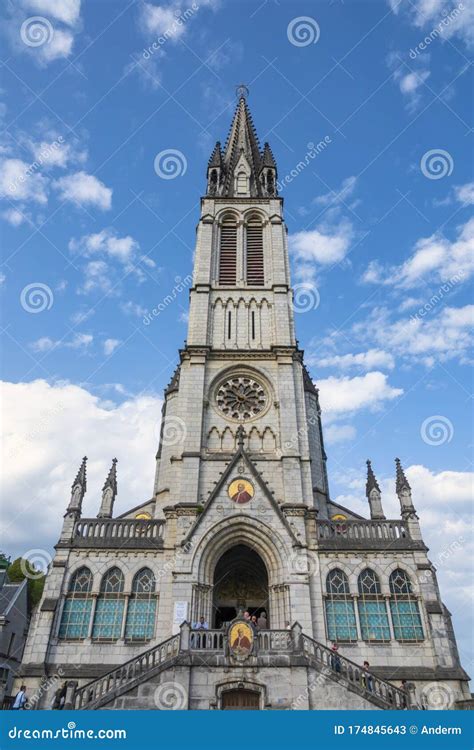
[240, 700]
[240, 583]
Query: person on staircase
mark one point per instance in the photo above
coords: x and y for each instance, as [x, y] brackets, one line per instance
[366, 677]
[335, 658]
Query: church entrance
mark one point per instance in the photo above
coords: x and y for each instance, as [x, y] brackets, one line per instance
[240, 583]
[240, 700]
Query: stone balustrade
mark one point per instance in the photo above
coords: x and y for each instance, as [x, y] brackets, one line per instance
[388, 695]
[118, 533]
[393, 534]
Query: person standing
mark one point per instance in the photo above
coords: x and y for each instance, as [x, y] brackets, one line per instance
[262, 621]
[335, 658]
[20, 699]
[367, 677]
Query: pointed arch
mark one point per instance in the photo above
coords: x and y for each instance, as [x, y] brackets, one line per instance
[141, 611]
[228, 250]
[406, 619]
[108, 616]
[77, 609]
[254, 260]
[373, 616]
[340, 614]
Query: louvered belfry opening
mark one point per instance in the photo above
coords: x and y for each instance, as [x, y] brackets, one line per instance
[254, 254]
[228, 252]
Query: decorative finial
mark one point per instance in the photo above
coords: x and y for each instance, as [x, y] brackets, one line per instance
[111, 480]
[402, 481]
[78, 488]
[371, 480]
[242, 91]
[81, 475]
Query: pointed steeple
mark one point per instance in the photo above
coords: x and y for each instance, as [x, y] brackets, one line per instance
[403, 490]
[374, 495]
[78, 489]
[241, 168]
[268, 159]
[216, 156]
[109, 492]
[371, 480]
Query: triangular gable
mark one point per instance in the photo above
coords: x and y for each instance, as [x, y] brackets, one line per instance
[242, 456]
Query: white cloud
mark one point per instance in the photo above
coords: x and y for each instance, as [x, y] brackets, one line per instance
[19, 182]
[337, 196]
[339, 433]
[67, 11]
[107, 242]
[345, 394]
[426, 338]
[79, 342]
[84, 189]
[434, 258]
[14, 216]
[465, 194]
[110, 346]
[133, 308]
[445, 22]
[363, 360]
[59, 46]
[324, 245]
[97, 277]
[40, 464]
[411, 84]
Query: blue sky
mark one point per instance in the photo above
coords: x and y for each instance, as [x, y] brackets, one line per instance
[380, 227]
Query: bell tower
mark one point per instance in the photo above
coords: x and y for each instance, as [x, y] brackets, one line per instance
[241, 366]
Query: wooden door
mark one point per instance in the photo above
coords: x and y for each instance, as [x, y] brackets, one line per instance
[240, 700]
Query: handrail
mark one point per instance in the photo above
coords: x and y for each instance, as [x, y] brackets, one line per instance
[98, 688]
[118, 528]
[365, 682]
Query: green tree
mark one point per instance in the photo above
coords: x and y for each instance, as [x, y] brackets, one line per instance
[20, 569]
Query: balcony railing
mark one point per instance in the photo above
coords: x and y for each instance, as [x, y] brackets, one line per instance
[123, 532]
[360, 534]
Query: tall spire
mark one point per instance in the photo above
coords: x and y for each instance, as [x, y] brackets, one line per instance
[78, 489]
[242, 168]
[109, 492]
[374, 495]
[403, 490]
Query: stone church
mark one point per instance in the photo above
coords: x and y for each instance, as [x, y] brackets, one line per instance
[152, 609]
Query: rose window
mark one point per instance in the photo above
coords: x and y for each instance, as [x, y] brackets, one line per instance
[241, 397]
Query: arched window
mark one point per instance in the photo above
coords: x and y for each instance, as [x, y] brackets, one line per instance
[340, 615]
[76, 614]
[140, 622]
[242, 183]
[373, 616]
[406, 618]
[228, 252]
[109, 607]
[254, 252]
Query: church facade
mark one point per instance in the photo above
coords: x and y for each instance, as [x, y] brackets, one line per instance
[150, 609]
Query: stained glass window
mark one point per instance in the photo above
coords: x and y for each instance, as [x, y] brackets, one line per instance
[140, 622]
[340, 615]
[404, 608]
[77, 608]
[109, 607]
[373, 616]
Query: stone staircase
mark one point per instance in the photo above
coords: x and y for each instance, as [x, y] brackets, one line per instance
[182, 647]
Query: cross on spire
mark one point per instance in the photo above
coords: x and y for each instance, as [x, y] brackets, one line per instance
[242, 91]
